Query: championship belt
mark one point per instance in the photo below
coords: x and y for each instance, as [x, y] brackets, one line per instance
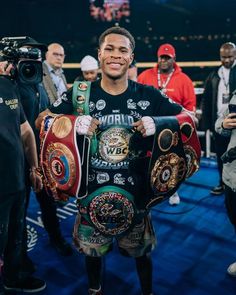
[64, 156]
[168, 167]
[110, 209]
[191, 143]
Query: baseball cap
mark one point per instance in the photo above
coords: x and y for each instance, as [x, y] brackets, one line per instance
[88, 63]
[166, 49]
[28, 41]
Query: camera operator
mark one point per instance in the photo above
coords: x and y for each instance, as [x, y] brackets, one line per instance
[226, 126]
[16, 138]
[34, 100]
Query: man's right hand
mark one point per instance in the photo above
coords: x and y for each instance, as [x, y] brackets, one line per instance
[5, 68]
[86, 125]
[230, 121]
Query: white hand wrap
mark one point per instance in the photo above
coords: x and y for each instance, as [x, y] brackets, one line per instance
[149, 125]
[82, 124]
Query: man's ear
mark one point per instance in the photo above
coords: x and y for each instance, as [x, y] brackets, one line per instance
[131, 58]
[99, 55]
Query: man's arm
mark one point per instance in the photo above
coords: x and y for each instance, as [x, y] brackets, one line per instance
[30, 150]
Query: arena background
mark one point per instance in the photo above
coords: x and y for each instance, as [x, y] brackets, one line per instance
[196, 28]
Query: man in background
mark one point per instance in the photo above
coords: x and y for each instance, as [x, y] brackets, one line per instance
[219, 86]
[169, 78]
[89, 68]
[34, 100]
[54, 79]
[13, 145]
[133, 71]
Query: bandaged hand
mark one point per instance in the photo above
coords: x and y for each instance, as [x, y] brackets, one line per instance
[146, 126]
[86, 125]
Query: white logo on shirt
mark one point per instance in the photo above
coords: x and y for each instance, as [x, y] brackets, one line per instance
[102, 177]
[100, 105]
[143, 104]
[118, 179]
[91, 106]
[131, 104]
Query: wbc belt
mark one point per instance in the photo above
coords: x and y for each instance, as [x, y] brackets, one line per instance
[64, 157]
[110, 209]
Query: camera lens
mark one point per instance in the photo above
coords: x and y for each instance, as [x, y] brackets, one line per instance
[30, 71]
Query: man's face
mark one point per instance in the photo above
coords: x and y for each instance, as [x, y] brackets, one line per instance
[227, 57]
[166, 63]
[55, 56]
[90, 75]
[115, 56]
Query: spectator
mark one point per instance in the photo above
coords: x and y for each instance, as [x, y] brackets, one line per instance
[169, 78]
[226, 126]
[219, 87]
[34, 100]
[54, 80]
[89, 69]
[133, 71]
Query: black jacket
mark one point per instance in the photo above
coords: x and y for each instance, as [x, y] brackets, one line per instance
[209, 100]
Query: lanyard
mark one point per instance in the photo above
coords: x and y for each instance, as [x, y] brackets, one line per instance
[162, 86]
[224, 80]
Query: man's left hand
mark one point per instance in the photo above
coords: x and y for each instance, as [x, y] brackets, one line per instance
[36, 180]
[146, 126]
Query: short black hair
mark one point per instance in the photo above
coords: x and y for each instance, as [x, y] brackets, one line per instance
[120, 31]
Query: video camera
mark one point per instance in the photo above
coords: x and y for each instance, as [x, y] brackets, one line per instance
[26, 66]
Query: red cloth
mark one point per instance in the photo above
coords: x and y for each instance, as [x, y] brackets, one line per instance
[180, 87]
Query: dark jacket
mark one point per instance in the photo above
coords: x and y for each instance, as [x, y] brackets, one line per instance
[209, 100]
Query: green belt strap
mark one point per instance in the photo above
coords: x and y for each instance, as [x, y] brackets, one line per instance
[80, 100]
[80, 97]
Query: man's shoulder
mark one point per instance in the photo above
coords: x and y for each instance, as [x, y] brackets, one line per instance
[148, 72]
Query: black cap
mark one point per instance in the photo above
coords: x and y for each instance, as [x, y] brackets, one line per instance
[32, 42]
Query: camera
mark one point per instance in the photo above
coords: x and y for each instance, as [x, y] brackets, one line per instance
[26, 66]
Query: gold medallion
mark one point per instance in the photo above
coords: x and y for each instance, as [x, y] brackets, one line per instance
[166, 139]
[82, 86]
[186, 131]
[61, 127]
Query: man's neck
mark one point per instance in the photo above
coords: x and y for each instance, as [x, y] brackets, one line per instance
[114, 87]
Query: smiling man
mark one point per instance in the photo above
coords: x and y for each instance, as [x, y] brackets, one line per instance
[117, 107]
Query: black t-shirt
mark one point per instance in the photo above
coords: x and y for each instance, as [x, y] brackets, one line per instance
[109, 165]
[34, 100]
[11, 149]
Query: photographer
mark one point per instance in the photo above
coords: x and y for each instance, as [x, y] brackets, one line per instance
[16, 137]
[34, 100]
[226, 126]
